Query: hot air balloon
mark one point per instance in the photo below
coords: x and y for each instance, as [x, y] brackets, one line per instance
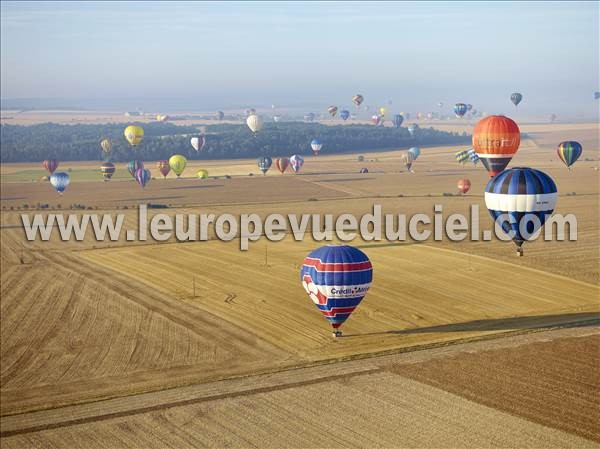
[282, 163]
[316, 146]
[376, 119]
[296, 162]
[382, 111]
[264, 163]
[596, 95]
[220, 115]
[407, 159]
[516, 98]
[142, 176]
[397, 120]
[134, 134]
[357, 100]
[255, 123]
[163, 168]
[429, 115]
[440, 105]
[107, 169]
[460, 109]
[406, 115]
[202, 174]
[463, 185]
[473, 156]
[309, 117]
[162, 117]
[60, 181]
[461, 156]
[336, 278]
[106, 146]
[552, 118]
[412, 129]
[469, 107]
[364, 170]
[250, 112]
[344, 114]
[419, 116]
[521, 193]
[177, 162]
[276, 118]
[332, 110]
[134, 166]
[415, 151]
[198, 143]
[50, 165]
[569, 152]
[496, 139]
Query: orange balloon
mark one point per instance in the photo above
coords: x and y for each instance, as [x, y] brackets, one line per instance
[464, 185]
[282, 163]
[496, 139]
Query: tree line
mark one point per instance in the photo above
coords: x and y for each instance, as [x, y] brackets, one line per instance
[81, 142]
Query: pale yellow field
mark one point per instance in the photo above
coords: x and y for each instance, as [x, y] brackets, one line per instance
[84, 321]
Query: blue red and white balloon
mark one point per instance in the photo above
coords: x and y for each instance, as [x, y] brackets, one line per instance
[296, 162]
[336, 278]
[316, 146]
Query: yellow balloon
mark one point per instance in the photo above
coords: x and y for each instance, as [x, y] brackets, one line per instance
[202, 174]
[177, 162]
[382, 111]
[106, 145]
[134, 134]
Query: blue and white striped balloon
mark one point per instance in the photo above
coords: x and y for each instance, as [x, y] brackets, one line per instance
[525, 194]
[60, 181]
[336, 278]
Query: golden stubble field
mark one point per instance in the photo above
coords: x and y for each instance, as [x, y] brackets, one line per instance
[83, 321]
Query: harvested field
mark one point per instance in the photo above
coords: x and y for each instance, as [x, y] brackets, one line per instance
[555, 383]
[374, 406]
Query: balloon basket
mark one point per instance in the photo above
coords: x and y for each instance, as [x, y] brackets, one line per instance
[336, 333]
[520, 252]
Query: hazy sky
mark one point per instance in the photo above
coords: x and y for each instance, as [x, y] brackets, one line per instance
[211, 54]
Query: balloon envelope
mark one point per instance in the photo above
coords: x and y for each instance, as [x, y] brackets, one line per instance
[50, 165]
[107, 169]
[569, 152]
[316, 146]
[198, 143]
[357, 99]
[463, 185]
[336, 278]
[202, 174]
[416, 152]
[496, 139]
[332, 110]
[397, 120]
[264, 163]
[106, 145]
[60, 181]
[460, 109]
[344, 114]
[177, 162]
[134, 134]
[519, 192]
[163, 167]
[220, 115]
[255, 123]
[142, 176]
[516, 98]
[296, 162]
[134, 166]
[282, 163]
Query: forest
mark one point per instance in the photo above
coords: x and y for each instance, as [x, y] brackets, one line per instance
[223, 141]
